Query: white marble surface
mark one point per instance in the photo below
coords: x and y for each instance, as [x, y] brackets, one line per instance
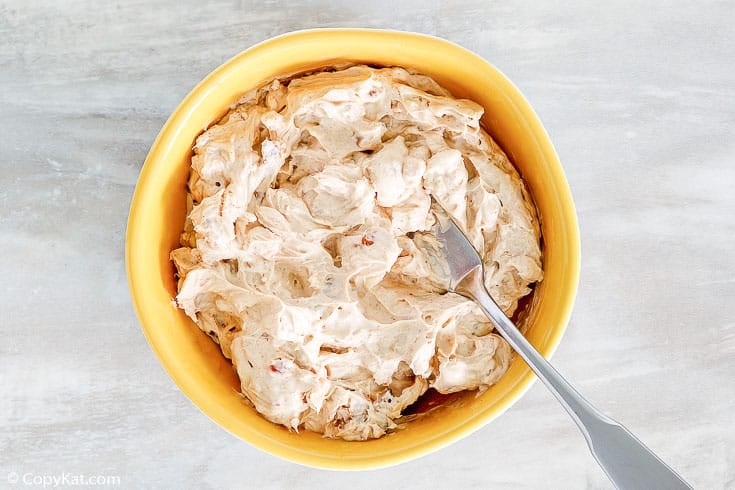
[639, 100]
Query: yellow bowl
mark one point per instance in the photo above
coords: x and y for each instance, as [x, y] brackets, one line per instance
[158, 210]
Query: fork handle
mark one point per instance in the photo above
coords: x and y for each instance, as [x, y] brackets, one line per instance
[628, 463]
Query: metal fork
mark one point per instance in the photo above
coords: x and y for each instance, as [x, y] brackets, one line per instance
[627, 461]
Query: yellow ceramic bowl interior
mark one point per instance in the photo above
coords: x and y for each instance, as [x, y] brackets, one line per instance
[158, 210]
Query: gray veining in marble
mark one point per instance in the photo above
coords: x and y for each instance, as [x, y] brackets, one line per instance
[639, 100]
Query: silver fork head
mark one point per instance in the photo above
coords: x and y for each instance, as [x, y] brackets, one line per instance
[456, 249]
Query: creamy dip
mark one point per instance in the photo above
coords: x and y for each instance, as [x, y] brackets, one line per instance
[306, 250]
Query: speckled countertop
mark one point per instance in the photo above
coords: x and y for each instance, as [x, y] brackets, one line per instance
[639, 100]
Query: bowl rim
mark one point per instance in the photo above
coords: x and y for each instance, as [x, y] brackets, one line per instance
[163, 144]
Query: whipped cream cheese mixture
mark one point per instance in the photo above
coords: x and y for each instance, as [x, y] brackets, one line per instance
[306, 253]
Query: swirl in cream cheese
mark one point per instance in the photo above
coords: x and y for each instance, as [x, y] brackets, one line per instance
[307, 255]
